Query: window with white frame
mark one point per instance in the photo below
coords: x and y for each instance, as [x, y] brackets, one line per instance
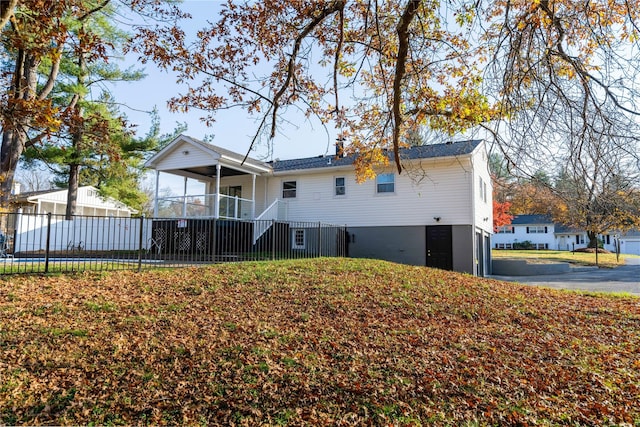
[506, 229]
[340, 187]
[540, 229]
[386, 183]
[483, 189]
[289, 189]
[299, 238]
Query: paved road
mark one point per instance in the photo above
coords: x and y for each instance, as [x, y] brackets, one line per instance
[622, 279]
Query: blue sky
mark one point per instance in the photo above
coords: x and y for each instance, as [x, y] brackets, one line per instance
[233, 129]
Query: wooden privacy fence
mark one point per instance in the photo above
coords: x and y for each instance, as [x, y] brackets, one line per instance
[42, 243]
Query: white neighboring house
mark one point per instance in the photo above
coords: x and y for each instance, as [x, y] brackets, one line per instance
[100, 223]
[630, 242]
[89, 202]
[438, 212]
[543, 233]
[536, 229]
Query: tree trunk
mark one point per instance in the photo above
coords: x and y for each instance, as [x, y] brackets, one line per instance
[593, 239]
[12, 146]
[72, 192]
[76, 138]
[14, 139]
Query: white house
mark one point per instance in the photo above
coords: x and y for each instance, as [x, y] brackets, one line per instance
[438, 212]
[537, 230]
[541, 232]
[89, 202]
[630, 242]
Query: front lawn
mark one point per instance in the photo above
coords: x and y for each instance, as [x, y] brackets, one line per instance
[313, 342]
[578, 258]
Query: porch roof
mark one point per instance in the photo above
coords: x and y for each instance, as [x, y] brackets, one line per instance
[187, 156]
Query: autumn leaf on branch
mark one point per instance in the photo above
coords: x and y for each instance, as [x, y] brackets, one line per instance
[402, 65]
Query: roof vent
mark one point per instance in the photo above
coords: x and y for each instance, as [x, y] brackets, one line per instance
[448, 142]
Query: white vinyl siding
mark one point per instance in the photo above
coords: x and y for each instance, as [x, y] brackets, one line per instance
[186, 155]
[444, 192]
[484, 192]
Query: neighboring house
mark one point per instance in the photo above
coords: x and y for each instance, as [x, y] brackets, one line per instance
[535, 229]
[438, 212]
[542, 233]
[630, 242]
[89, 202]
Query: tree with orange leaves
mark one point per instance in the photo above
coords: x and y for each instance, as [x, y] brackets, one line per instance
[36, 36]
[501, 215]
[380, 70]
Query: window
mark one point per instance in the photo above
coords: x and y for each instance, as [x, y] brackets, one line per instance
[506, 229]
[538, 229]
[340, 186]
[298, 239]
[385, 183]
[483, 190]
[289, 189]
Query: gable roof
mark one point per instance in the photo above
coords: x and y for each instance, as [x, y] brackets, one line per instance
[212, 152]
[450, 149]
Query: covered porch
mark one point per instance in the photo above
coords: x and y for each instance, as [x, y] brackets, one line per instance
[229, 189]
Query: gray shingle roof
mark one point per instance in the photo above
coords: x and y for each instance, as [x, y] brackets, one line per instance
[531, 220]
[562, 228]
[420, 152]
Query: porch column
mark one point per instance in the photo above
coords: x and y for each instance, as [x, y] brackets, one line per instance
[216, 214]
[184, 198]
[253, 196]
[155, 204]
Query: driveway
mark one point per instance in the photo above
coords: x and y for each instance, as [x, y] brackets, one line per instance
[622, 279]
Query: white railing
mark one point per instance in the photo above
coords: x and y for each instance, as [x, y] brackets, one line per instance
[277, 211]
[204, 206]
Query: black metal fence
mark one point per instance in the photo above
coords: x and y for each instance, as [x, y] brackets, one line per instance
[42, 243]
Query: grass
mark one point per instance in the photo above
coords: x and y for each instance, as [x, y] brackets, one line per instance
[313, 342]
[577, 258]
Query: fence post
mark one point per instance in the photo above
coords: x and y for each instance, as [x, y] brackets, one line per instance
[345, 242]
[47, 244]
[273, 239]
[140, 237]
[319, 239]
[215, 240]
